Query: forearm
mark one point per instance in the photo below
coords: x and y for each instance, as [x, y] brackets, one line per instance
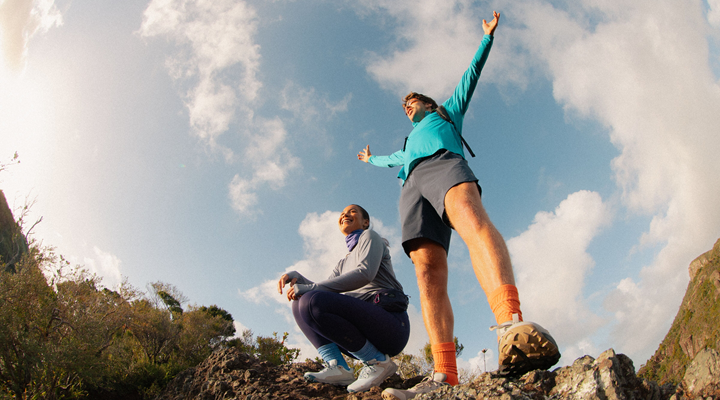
[300, 279]
[360, 267]
[460, 99]
[393, 160]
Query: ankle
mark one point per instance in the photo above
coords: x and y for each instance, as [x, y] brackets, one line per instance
[445, 361]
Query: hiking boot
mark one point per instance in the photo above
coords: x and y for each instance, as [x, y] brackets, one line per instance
[523, 347]
[332, 373]
[372, 374]
[429, 384]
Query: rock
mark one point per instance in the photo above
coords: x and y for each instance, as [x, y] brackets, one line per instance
[702, 377]
[611, 376]
[230, 374]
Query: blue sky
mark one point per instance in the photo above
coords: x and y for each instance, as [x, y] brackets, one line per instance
[212, 145]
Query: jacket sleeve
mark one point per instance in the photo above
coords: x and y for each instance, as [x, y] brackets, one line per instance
[366, 258]
[393, 160]
[460, 99]
[300, 279]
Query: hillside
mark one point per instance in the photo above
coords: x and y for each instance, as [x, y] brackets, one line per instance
[696, 325]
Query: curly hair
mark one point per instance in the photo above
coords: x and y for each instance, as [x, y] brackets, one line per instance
[421, 97]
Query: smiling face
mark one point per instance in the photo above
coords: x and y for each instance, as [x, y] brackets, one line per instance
[415, 109]
[352, 219]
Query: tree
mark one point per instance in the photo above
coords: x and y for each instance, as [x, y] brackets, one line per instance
[201, 333]
[55, 334]
[62, 335]
[170, 302]
[427, 351]
[154, 331]
[271, 349]
[28, 314]
[167, 295]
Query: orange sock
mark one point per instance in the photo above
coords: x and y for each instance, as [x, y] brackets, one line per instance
[505, 302]
[445, 362]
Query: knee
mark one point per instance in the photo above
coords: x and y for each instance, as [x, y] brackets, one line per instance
[426, 273]
[305, 306]
[431, 275]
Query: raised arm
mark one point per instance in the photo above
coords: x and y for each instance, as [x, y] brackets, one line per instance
[458, 103]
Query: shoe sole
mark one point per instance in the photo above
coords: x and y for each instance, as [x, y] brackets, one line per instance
[528, 347]
[311, 379]
[387, 395]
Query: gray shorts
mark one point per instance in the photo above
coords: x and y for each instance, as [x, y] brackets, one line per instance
[422, 199]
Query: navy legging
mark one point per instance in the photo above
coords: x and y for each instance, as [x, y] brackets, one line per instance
[326, 317]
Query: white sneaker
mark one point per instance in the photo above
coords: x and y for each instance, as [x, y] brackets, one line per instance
[332, 373]
[429, 384]
[372, 374]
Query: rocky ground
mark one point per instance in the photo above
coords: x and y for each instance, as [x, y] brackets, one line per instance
[229, 374]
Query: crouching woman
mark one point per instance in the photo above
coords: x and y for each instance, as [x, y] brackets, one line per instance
[360, 310]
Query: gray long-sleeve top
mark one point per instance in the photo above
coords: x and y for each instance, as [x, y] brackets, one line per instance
[363, 271]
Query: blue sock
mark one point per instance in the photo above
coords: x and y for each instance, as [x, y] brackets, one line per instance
[331, 351]
[368, 352]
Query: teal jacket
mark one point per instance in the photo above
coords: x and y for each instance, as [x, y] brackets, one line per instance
[434, 133]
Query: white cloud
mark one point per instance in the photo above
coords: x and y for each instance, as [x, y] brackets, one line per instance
[269, 161]
[216, 55]
[242, 194]
[106, 266]
[20, 20]
[217, 58]
[482, 362]
[312, 111]
[427, 33]
[551, 265]
[655, 92]
[309, 106]
[239, 328]
[714, 13]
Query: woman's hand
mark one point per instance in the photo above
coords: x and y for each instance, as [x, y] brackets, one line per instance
[489, 28]
[291, 292]
[364, 154]
[284, 279]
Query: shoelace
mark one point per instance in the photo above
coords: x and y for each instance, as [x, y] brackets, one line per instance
[501, 326]
[328, 368]
[428, 381]
[505, 325]
[366, 371]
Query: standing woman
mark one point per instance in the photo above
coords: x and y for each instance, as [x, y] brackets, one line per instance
[359, 310]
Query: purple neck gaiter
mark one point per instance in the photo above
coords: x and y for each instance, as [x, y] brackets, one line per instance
[351, 240]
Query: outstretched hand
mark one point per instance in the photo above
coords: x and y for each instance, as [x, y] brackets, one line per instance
[489, 27]
[364, 154]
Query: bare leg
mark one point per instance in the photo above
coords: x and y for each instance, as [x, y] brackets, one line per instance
[488, 252]
[431, 268]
